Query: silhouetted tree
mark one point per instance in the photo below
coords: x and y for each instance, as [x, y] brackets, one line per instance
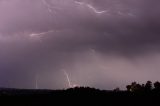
[134, 87]
[116, 89]
[148, 86]
[143, 85]
[157, 85]
[138, 88]
[128, 88]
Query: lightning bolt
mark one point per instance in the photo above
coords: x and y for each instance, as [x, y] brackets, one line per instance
[95, 10]
[125, 14]
[49, 8]
[71, 85]
[52, 10]
[36, 82]
[91, 7]
[68, 79]
[80, 3]
[46, 4]
[38, 36]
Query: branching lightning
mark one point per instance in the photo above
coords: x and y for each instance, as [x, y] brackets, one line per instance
[68, 79]
[91, 7]
[80, 3]
[49, 8]
[94, 9]
[39, 35]
[46, 4]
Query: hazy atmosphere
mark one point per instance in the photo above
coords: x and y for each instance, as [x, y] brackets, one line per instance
[97, 43]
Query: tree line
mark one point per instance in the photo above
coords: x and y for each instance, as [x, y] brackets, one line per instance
[147, 87]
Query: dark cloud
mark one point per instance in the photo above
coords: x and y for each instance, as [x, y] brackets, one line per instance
[46, 37]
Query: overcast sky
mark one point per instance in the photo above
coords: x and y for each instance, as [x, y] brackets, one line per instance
[98, 43]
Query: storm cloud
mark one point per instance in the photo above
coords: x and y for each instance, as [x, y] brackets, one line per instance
[100, 43]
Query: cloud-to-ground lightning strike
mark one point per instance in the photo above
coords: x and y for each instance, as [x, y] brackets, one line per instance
[36, 82]
[91, 7]
[68, 79]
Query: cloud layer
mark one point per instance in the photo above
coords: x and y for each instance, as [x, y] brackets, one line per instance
[104, 43]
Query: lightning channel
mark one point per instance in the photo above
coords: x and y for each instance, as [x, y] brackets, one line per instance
[90, 7]
[68, 79]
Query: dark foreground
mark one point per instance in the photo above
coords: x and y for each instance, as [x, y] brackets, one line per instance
[77, 96]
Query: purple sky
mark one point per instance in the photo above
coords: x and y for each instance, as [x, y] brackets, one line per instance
[99, 43]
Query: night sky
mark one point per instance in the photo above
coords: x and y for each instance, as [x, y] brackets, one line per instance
[97, 43]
